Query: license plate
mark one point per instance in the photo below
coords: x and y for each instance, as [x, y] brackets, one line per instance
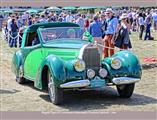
[97, 83]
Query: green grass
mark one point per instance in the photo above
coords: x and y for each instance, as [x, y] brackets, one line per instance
[143, 48]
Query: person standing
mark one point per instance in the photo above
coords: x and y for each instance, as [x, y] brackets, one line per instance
[103, 22]
[141, 25]
[42, 19]
[86, 24]
[96, 31]
[80, 21]
[69, 17]
[14, 33]
[122, 40]
[154, 16]
[148, 21]
[110, 32]
[30, 21]
[9, 22]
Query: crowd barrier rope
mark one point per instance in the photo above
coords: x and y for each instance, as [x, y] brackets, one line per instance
[6, 35]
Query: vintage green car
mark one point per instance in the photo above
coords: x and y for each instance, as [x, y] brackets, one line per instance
[58, 56]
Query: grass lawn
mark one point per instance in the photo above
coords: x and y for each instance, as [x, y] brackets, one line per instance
[143, 48]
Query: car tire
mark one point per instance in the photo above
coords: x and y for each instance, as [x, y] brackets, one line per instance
[55, 93]
[125, 91]
[19, 78]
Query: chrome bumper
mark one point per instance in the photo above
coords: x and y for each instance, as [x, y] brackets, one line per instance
[76, 84]
[124, 80]
[86, 82]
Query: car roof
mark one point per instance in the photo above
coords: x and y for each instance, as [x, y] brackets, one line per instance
[34, 27]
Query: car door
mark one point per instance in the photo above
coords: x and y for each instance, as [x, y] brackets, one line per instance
[32, 61]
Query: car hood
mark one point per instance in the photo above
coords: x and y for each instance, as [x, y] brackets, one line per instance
[73, 43]
[66, 50]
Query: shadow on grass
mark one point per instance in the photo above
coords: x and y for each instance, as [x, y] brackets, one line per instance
[31, 85]
[95, 99]
[99, 99]
[149, 66]
[8, 91]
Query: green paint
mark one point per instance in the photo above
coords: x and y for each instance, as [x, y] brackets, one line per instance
[60, 55]
[32, 63]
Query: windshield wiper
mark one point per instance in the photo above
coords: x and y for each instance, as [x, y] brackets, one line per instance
[59, 35]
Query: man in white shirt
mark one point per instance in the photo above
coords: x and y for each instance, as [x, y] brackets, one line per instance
[9, 22]
[69, 18]
[80, 21]
[141, 25]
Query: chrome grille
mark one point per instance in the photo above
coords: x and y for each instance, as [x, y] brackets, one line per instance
[91, 57]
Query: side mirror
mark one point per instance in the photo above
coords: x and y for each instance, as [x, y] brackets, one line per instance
[88, 36]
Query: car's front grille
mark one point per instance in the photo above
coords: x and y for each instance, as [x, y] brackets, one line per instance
[91, 57]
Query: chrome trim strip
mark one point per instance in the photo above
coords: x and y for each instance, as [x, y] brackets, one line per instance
[76, 84]
[124, 80]
[81, 51]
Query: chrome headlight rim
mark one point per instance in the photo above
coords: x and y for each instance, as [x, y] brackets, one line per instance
[90, 73]
[103, 72]
[79, 65]
[116, 63]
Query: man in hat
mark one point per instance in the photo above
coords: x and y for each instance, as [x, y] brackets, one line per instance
[110, 32]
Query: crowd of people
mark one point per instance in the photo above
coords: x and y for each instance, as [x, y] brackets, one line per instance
[109, 28]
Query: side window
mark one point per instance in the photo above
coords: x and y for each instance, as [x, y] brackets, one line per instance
[32, 39]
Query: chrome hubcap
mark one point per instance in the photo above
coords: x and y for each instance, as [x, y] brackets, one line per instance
[21, 72]
[51, 88]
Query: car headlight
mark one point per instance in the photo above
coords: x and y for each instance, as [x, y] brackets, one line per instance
[116, 63]
[90, 73]
[102, 72]
[79, 65]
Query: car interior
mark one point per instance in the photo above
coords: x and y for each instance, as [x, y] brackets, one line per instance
[30, 37]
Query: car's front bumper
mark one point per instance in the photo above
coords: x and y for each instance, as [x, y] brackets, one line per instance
[124, 80]
[98, 82]
[76, 84]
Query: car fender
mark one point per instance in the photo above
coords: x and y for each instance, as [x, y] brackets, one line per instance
[129, 59]
[57, 69]
[130, 65]
[16, 62]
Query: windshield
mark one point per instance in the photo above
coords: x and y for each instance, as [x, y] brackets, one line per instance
[51, 34]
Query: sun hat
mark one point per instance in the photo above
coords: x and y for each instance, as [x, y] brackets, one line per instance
[109, 10]
[123, 16]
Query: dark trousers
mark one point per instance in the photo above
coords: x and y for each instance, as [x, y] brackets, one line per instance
[141, 31]
[13, 41]
[9, 38]
[147, 35]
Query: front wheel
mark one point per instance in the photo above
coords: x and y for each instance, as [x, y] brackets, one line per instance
[125, 91]
[55, 93]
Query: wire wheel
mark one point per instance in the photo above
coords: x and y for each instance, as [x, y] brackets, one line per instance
[55, 93]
